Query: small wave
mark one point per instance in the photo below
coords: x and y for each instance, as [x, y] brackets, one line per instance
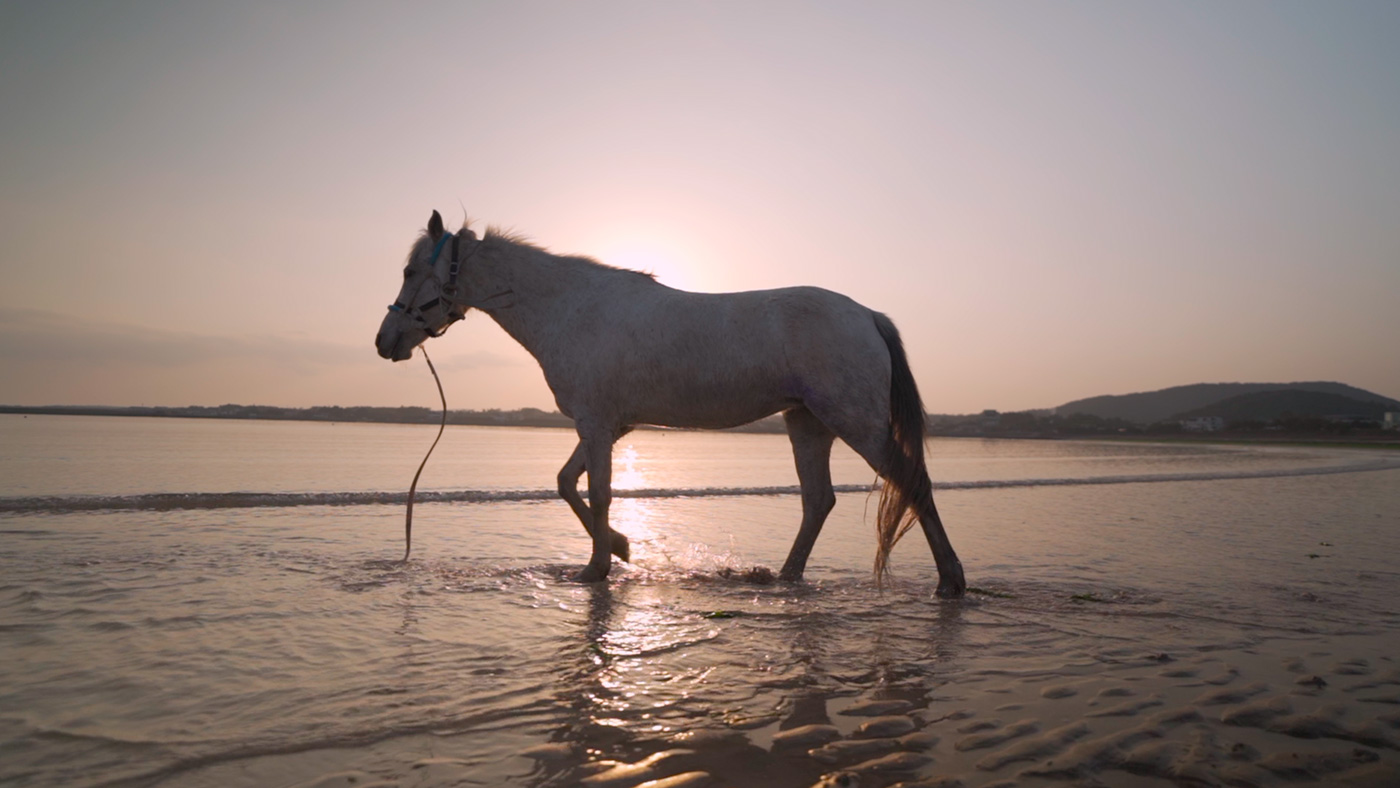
[159, 502]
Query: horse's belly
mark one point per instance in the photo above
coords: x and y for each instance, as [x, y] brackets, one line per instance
[703, 407]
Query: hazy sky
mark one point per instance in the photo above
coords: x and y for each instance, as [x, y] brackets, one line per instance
[204, 203]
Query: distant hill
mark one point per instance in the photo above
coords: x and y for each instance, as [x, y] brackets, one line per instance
[1274, 405]
[1153, 406]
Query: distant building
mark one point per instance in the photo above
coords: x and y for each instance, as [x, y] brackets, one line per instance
[1351, 420]
[1392, 421]
[1203, 424]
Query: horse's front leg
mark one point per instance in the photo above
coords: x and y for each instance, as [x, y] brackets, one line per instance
[597, 452]
[811, 448]
[568, 490]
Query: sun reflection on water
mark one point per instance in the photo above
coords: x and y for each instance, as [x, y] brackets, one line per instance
[644, 677]
[626, 475]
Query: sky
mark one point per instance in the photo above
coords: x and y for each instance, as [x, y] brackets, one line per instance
[208, 203]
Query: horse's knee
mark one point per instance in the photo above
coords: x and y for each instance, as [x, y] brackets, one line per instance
[817, 504]
[568, 484]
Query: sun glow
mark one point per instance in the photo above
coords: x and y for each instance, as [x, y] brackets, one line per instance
[661, 257]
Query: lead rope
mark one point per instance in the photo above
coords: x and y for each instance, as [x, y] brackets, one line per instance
[408, 515]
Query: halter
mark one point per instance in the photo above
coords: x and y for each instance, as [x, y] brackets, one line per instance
[447, 289]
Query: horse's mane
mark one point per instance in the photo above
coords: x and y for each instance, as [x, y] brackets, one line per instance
[499, 237]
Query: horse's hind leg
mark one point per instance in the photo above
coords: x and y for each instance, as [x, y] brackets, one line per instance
[811, 448]
[950, 571]
[873, 442]
[568, 490]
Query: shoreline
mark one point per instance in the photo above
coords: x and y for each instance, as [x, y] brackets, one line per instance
[533, 418]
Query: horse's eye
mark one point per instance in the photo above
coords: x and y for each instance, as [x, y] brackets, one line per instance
[405, 274]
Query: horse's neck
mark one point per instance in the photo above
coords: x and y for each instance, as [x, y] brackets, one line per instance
[543, 289]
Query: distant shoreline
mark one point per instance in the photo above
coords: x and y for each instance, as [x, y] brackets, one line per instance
[534, 417]
[524, 417]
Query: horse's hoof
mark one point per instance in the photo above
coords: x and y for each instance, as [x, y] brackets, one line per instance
[951, 583]
[951, 587]
[621, 548]
[590, 574]
[789, 577]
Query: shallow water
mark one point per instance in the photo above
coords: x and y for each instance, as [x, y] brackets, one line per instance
[215, 644]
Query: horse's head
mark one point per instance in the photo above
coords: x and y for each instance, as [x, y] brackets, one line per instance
[428, 302]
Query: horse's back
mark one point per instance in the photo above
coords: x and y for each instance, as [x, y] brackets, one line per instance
[675, 358]
[781, 332]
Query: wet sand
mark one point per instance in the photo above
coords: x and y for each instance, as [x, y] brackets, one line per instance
[1304, 710]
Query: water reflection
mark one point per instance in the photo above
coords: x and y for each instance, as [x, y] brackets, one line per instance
[637, 518]
[719, 665]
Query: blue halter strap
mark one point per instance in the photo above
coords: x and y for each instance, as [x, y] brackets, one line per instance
[437, 250]
[432, 261]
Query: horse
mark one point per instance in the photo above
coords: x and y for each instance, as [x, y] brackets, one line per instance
[619, 349]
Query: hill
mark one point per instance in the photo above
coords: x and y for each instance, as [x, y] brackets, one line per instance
[1280, 403]
[1153, 406]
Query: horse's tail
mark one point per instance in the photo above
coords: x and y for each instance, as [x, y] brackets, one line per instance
[907, 488]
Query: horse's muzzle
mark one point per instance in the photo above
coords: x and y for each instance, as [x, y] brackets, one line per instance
[391, 346]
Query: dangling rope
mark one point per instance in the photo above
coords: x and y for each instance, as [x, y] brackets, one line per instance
[408, 516]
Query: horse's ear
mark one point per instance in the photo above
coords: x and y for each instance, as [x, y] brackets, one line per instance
[435, 226]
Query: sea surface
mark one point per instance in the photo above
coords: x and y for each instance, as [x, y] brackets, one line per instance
[221, 603]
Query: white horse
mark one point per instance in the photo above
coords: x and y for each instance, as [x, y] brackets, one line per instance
[620, 349]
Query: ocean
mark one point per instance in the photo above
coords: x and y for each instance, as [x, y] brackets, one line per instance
[221, 603]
